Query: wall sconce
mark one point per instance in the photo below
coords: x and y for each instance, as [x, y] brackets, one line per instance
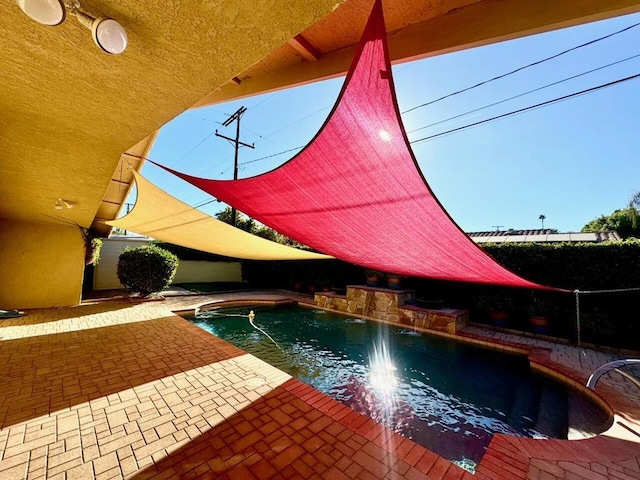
[108, 34]
[62, 203]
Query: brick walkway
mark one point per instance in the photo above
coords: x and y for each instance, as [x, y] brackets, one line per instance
[118, 389]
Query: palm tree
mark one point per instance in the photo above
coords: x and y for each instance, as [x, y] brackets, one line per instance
[541, 218]
[634, 206]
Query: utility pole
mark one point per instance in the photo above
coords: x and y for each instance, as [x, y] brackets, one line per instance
[497, 227]
[236, 142]
[128, 205]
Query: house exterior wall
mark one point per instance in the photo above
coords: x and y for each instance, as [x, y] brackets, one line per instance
[41, 265]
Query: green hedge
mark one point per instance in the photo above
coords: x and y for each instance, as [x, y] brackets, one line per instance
[301, 275]
[583, 266]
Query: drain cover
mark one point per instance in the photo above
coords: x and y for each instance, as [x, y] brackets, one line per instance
[255, 382]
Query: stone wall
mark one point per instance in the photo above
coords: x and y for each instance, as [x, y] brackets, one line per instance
[392, 306]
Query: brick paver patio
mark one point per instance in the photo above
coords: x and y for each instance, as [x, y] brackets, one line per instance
[119, 389]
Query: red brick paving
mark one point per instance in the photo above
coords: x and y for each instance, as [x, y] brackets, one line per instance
[123, 390]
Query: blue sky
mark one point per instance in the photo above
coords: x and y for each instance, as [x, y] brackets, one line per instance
[571, 161]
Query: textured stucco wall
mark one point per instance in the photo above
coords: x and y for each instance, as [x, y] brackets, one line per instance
[41, 265]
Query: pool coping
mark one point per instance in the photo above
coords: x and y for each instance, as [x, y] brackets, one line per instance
[506, 456]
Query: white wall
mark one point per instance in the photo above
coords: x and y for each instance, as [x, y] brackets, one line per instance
[201, 271]
[104, 274]
[105, 277]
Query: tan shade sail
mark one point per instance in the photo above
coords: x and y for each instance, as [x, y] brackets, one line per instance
[159, 215]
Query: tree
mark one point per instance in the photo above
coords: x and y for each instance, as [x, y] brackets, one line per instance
[250, 225]
[621, 221]
[242, 222]
[541, 218]
[634, 206]
[147, 269]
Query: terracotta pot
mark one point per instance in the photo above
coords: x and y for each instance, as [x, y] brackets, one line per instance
[499, 317]
[373, 280]
[394, 282]
[539, 324]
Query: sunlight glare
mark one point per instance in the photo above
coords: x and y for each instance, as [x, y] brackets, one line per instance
[382, 377]
[384, 135]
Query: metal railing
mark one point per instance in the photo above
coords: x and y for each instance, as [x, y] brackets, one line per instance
[615, 365]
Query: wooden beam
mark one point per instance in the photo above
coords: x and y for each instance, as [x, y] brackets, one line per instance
[304, 48]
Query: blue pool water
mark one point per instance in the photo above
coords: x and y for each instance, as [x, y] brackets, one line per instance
[448, 396]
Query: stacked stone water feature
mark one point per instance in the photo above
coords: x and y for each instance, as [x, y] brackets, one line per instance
[393, 306]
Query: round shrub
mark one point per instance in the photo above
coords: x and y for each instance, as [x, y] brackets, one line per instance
[147, 269]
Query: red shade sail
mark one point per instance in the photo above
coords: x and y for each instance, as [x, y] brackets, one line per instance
[356, 191]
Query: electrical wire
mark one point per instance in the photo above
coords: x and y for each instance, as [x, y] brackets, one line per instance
[497, 117]
[525, 93]
[190, 151]
[525, 109]
[273, 155]
[519, 69]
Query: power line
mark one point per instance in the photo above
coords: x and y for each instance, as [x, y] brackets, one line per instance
[497, 117]
[273, 155]
[504, 115]
[519, 69]
[190, 151]
[525, 109]
[525, 93]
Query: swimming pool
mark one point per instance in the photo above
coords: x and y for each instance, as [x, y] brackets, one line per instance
[448, 396]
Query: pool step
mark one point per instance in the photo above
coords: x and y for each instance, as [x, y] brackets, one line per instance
[524, 412]
[582, 421]
[553, 412]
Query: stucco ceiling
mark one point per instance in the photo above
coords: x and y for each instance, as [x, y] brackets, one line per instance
[68, 111]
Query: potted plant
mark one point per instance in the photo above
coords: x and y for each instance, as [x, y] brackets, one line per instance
[541, 310]
[497, 307]
[373, 277]
[394, 281]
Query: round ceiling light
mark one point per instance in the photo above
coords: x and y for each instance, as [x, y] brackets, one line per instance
[109, 35]
[46, 12]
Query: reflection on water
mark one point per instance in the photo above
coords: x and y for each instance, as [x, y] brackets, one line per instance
[447, 396]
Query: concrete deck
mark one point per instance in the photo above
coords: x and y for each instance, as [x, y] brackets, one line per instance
[124, 389]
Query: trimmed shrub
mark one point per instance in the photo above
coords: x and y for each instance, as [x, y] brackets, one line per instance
[147, 269]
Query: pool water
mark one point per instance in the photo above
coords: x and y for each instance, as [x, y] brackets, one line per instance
[448, 396]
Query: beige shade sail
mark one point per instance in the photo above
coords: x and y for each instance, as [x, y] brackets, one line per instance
[159, 215]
